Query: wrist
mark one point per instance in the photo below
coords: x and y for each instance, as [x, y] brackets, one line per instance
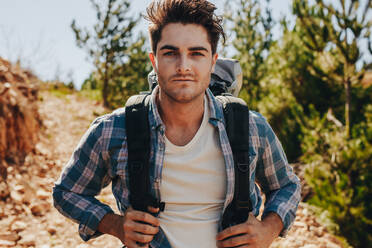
[273, 224]
[111, 224]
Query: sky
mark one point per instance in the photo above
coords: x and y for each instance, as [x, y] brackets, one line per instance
[38, 33]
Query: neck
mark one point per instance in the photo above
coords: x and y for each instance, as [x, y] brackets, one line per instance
[184, 115]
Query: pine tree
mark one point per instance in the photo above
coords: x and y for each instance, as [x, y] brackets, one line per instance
[334, 32]
[251, 29]
[109, 42]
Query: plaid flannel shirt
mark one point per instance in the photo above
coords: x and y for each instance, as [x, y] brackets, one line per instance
[101, 158]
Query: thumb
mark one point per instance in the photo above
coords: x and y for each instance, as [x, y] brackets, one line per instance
[251, 218]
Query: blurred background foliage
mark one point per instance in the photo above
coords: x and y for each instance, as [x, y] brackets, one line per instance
[312, 83]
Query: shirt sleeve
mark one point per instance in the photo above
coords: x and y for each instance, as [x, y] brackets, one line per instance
[277, 180]
[81, 180]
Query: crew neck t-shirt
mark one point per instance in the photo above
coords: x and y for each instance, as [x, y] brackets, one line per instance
[193, 187]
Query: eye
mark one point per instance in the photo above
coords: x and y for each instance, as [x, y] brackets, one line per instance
[170, 53]
[197, 54]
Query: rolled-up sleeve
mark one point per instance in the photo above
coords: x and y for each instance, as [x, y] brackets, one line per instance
[81, 180]
[277, 180]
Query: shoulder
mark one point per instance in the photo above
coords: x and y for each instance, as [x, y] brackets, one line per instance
[258, 121]
[259, 128]
[109, 126]
[110, 120]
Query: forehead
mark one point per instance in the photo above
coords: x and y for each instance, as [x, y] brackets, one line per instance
[184, 36]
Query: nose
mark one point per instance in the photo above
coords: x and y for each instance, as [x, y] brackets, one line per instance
[183, 64]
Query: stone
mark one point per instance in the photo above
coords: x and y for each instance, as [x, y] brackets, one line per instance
[19, 188]
[6, 243]
[18, 226]
[82, 246]
[310, 246]
[42, 194]
[52, 230]
[300, 224]
[37, 209]
[27, 240]
[16, 196]
[9, 236]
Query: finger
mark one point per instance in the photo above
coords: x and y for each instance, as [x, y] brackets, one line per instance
[145, 229]
[131, 244]
[153, 210]
[143, 245]
[141, 238]
[143, 217]
[236, 241]
[232, 231]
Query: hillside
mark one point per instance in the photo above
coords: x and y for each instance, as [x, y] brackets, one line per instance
[27, 217]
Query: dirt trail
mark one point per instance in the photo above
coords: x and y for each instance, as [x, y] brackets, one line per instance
[28, 219]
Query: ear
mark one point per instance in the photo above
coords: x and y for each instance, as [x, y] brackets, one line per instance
[153, 61]
[214, 59]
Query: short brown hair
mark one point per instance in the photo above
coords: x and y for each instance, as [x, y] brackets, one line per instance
[201, 12]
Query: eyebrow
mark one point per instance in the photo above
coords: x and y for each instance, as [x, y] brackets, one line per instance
[170, 47]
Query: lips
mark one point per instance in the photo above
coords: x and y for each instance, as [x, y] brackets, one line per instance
[183, 79]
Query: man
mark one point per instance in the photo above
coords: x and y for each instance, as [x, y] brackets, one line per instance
[192, 159]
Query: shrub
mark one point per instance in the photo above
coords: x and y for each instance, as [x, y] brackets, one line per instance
[340, 172]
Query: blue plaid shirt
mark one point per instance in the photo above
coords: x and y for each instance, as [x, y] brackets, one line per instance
[101, 158]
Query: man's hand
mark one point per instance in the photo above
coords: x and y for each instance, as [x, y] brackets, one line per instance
[134, 229]
[252, 233]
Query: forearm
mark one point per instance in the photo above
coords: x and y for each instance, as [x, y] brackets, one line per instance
[87, 211]
[110, 224]
[273, 224]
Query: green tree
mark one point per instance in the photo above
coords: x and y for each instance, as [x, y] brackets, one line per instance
[288, 84]
[109, 42]
[339, 169]
[132, 75]
[334, 32]
[251, 28]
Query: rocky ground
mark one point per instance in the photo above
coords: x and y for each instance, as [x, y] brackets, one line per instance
[27, 217]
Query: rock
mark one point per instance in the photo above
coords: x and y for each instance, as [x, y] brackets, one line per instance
[18, 226]
[6, 243]
[9, 236]
[37, 209]
[59, 221]
[42, 149]
[317, 231]
[27, 240]
[82, 246]
[42, 194]
[299, 224]
[310, 246]
[16, 196]
[19, 188]
[4, 190]
[52, 230]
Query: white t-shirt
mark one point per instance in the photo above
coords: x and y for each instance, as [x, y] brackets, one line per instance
[193, 188]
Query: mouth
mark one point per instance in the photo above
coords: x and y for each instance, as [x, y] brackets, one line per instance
[183, 80]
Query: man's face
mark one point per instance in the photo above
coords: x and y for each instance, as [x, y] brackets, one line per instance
[183, 62]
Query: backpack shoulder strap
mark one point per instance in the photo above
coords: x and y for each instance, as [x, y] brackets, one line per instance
[236, 115]
[138, 142]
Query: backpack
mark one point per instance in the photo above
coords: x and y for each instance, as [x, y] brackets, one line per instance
[226, 81]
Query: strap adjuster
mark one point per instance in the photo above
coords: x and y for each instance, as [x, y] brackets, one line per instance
[244, 204]
[243, 167]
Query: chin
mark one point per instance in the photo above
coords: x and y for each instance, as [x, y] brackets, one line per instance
[184, 97]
